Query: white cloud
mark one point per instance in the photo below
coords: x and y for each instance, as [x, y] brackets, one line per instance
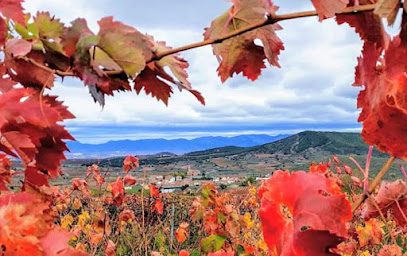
[313, 86]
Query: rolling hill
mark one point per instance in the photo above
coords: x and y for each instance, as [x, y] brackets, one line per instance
[294, 152]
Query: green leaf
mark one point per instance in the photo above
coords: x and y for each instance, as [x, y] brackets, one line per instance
[240, 249]
[30, 31]
[195, 253]
[49, 30]
[221, 218]
[125, 45]
[48, 27]
[213, 243]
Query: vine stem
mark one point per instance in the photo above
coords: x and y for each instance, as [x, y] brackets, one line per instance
[375, 182]
[271, 19]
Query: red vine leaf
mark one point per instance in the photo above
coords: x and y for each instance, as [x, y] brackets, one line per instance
[328, 8]
[391, 199]
[80, 40]
[17, 47]
[390, 250]
[372, 232]
[78, 29]
[151, 84]
[383, 100]
[178, 67]
[117, 190]
[110, 248]
[158, 206]
[291, 218]
[183, 253]
[3, 31]
[28, 229]
[5, 172]
[221, 253]
[153, 191]
[81, 185]
[130, 163]
[30, 130]
[6, 83]
[28, 74]
[181, 233]
[241, 53]
[129, 180]
[12, 9]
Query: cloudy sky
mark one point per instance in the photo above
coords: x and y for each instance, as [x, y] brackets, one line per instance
[312, 90]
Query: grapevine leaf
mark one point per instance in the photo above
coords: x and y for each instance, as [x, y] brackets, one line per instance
[125, 45]
[213, 243]
[383, 99]
[130, 163]
[50, 31]
[292, 218]
[6, 83]
[71, 35]
[176, 64]
[153, 190]
[370, 28]
[129, 180]
[3, 31]
[371, 232]
[392, 197]
[118, 190]
[56, 242]
[18, 47]
[221, 253]
[158, 206]
[149, 81]
[328, 8]
[181, 233]
[28, 74]
[29, 128]
[79, 39]
[110, 248]
[183, 253]
[12, 9]
[48, 27]
[390, 250]
[81, 185]
[240, 53]
[27, 30]
[5, 172]
[20, 143]
[154, 78]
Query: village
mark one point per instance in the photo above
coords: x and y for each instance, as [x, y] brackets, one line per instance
[193, 179]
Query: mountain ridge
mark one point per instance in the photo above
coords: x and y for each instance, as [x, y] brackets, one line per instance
[295, 152]
[292, 150]
[154, 146]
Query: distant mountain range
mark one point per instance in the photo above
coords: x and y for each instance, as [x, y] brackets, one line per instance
[294, 152]
[298, 148]
[154, 146]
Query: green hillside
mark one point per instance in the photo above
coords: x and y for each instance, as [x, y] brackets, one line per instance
[294, 152]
